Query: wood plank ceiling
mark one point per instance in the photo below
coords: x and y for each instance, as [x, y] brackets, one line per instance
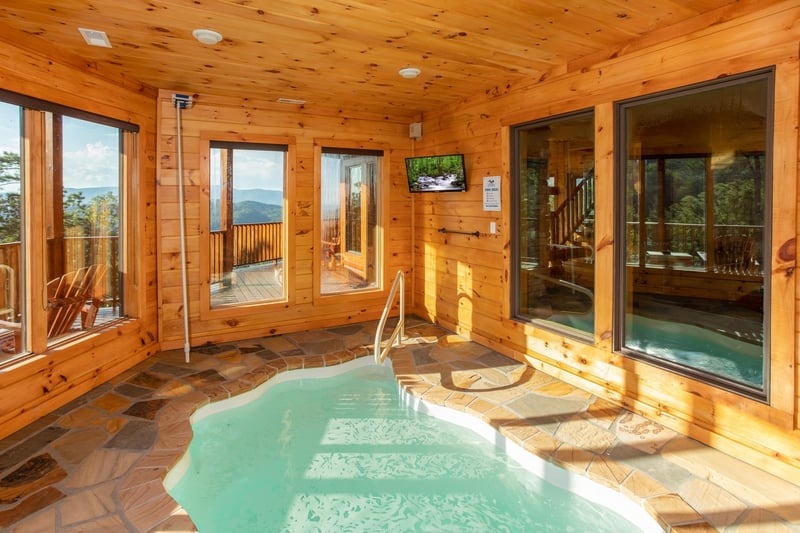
[346, 54]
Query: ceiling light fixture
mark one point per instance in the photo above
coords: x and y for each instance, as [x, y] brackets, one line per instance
[291, 101]
[409, 73]
[95, 37]
[207, 36]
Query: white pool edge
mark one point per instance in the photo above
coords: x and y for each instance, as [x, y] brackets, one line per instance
[575, 483]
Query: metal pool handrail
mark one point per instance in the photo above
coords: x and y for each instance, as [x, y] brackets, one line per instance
[396, 337]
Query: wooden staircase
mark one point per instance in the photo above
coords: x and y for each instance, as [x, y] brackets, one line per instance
[572, 223]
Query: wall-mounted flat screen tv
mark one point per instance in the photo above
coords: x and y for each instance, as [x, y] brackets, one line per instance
[436, 173]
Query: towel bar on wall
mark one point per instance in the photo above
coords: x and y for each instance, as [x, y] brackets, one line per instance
[473, 233]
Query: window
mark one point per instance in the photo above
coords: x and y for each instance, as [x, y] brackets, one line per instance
[12, 320]
[695, 186]
[246, 219]
[61, 208]
[82, 230]
[349, 238]
[553, 245]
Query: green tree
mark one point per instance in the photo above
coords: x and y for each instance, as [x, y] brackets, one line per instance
[9, 217]
[9, 168]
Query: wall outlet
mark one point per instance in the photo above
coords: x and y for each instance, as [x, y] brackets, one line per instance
[493, 227]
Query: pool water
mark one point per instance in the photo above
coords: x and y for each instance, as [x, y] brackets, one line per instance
[344, 453]
[686, 344]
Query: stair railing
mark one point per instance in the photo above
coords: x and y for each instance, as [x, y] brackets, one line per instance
[572, 212]
[396, 338]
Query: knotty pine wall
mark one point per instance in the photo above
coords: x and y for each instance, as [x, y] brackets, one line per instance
[463, 282]
[303, 128]
[34, 386]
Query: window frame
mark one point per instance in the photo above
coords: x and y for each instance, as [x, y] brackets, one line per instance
[36, 162]
[515, 217]
[381, 217]
[207, 139]
[620, 220]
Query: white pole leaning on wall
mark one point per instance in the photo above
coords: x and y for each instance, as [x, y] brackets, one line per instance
[182, 101]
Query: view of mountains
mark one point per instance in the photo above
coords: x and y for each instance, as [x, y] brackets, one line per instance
[250, 206]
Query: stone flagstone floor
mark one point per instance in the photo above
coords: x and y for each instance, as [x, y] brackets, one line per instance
[98, 463]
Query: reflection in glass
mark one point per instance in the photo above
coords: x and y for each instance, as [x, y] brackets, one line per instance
[11, 286]
[349, 192]
[555, 209]
[83, 240]
[246, 222]
[695, 187]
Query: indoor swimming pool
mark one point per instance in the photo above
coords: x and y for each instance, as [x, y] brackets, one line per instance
[349, 452]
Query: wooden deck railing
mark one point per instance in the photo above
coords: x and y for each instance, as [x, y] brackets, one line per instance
[572, 213]
[252, 243]
[79, 252]
[688, 239]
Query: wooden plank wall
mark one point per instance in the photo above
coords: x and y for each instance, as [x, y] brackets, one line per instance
[303, 128]
[34, 386]
[463, 282]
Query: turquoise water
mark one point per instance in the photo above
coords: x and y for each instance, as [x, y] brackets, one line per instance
[686, 344]
[345, 454]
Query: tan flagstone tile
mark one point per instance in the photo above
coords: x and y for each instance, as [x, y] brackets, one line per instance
[583, 434]
[113, 425]
[294, 362]
[277, 344]
[700, 527]
[498, 416]
[153, 512]
[174, 389]
[672, 510]
[459, 400]
[142, 495]
[608, 472]
[161, 458]
[561, 389]
[111, 403]
[232, 356]
[436, 395]
[82, 417]
[44, 522]
[99, 466]
[741, 479]
[108, 524]
[416, 389]
[641, 433]
[463, 379]
[500, 395]
[762, 521]
[533, 380]
[314, 361]
[174, 436]
[572, 458]
[603, 413]
[640, 486]
[141, 475]
[88, 504]
[518, 430]
[179, 522]
[717, 505]
[33, 503]
[76, 445]
[480, 406]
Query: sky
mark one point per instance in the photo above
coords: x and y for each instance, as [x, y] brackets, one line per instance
[253, 169]
[91, 157]
[91, 151]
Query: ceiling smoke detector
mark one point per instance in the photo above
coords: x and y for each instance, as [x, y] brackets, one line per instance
[409, 73]
[207, 36]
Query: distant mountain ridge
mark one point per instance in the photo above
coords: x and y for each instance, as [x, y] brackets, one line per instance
[91, 192]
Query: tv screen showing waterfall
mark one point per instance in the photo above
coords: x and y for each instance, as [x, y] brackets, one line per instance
[436, 173]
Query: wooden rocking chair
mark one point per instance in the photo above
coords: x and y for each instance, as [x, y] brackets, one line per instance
[72, 294]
